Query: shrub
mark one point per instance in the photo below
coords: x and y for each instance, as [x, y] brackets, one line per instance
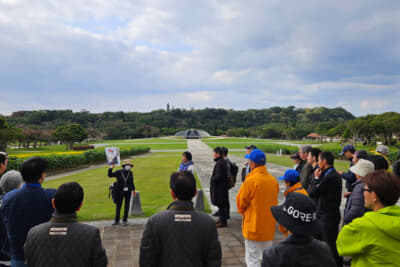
[83, 147]
[68, 161]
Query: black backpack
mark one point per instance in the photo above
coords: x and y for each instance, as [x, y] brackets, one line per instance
[233, 169]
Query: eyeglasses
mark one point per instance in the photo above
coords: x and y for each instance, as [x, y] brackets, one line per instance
[366, 190]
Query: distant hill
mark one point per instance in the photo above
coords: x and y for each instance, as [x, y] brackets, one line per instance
[271, 122]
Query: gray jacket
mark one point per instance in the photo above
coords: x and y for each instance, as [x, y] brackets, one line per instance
[64, 242]
[305, 175]
[180, 236]
[355, 204]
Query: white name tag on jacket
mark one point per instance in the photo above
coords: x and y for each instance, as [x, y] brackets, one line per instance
[58, 231]
[183, 218]
[125, 188]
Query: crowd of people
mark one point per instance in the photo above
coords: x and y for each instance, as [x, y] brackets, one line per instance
[38, 227]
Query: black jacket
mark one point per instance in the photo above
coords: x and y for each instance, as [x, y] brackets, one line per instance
[299, 251]
[121, 182]
[180, 236]
[305, 174]
[327, 192]
[219, 184]
[396, 168]
[64, 242]
[349, 177]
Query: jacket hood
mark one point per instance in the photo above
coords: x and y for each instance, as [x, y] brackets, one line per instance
[386, 220]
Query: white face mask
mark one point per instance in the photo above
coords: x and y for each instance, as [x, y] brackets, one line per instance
[127, 167]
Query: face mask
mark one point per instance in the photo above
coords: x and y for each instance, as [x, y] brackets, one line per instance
[127, 167]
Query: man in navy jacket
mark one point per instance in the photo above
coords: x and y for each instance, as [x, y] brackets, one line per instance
[26, 207]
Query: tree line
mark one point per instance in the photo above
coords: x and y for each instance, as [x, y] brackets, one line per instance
[31, 128]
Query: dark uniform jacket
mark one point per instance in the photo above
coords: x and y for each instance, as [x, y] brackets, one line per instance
[180, 236]
[327, 192]
[349, 177]
[219, 184]
[299, 251]
[119, 185]
[63, 242]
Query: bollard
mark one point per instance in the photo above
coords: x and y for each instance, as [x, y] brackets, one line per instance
[199, 205]
[135, 207]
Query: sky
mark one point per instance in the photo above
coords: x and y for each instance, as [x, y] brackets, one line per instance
[112, 55]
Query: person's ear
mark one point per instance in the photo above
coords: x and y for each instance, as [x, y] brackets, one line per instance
[41, 180]
[173, 195]
[52, 203]
[80, 206]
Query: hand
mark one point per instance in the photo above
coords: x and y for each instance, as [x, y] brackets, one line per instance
[246, 163]
[134, 193]
[112, 166]
[317, 173]
[340, 172]
[347, 194]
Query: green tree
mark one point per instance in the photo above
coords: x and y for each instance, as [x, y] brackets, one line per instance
[357, 127]
[7, 134]
[71, 133]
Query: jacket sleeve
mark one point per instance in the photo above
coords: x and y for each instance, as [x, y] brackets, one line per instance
[349, 176]
[214, 249]
[243, 198]
[396, 168]
[133, 184]
[321, 185]
[357, 208]
[98, 254]
[148, 248]
[268, 258]
[111, 173]
[350, 239]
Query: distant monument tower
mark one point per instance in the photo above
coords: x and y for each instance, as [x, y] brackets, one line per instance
[168, 107]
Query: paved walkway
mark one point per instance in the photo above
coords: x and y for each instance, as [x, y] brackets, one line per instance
[122, 243]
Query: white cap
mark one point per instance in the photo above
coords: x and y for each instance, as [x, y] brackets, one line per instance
[382, 149]
[363, 167]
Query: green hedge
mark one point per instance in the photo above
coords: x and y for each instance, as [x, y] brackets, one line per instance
[64, 162]
[273, 148]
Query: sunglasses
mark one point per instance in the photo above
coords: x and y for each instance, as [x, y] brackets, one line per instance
[366, 190]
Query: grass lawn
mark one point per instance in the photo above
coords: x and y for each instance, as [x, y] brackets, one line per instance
[151, 177]
[285, 160]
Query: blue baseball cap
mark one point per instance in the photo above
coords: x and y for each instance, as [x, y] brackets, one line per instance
[256, 156]
[290, 175]
[347, 148]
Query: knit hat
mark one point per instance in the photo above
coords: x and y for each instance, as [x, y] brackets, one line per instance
[298, 214]
[10, 180]
[363, 167]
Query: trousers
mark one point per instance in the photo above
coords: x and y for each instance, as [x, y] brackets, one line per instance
[127, 196]
[254, 251]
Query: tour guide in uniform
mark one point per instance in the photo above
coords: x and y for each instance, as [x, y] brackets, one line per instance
[256, 196]
[123, 188]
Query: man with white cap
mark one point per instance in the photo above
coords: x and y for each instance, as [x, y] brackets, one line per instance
[355, 204]
[298, 215]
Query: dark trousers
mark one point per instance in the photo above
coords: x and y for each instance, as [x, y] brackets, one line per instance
[329, 233]
[127, 195]
[223, 212]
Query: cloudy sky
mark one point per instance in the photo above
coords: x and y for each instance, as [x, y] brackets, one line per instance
[109, 55]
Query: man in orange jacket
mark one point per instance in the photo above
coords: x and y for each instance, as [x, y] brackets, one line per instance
[256, 196]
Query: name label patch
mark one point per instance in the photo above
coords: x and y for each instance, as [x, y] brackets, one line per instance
[183, 218]
[58, 231]
[299, 215]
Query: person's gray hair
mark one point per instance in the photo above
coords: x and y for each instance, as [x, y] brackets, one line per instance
[305, 148]
[10, 180]
[382, 149]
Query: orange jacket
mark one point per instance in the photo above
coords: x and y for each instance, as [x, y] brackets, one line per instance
[298, 188]
[256, 196]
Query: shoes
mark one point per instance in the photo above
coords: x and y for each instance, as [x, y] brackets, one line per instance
[215, 214]
[125, 223]
[115, 223]
[221, 224]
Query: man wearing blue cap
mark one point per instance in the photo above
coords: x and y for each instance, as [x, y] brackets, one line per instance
[348, 152]
[258, 193]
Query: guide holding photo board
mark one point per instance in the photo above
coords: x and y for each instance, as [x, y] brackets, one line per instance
[122, 189]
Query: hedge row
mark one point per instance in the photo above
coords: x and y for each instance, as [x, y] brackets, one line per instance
[273, 148]
[64, 162]
[83, 147]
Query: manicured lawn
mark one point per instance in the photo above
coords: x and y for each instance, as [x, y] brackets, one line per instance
[151, 176]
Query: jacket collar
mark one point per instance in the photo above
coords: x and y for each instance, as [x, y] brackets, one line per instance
[181, 205]
[259, 169]
[298, 239]
[63, 217]
[216, 159]
[293, 188]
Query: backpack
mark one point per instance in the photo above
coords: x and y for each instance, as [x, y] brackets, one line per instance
[233, 171]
